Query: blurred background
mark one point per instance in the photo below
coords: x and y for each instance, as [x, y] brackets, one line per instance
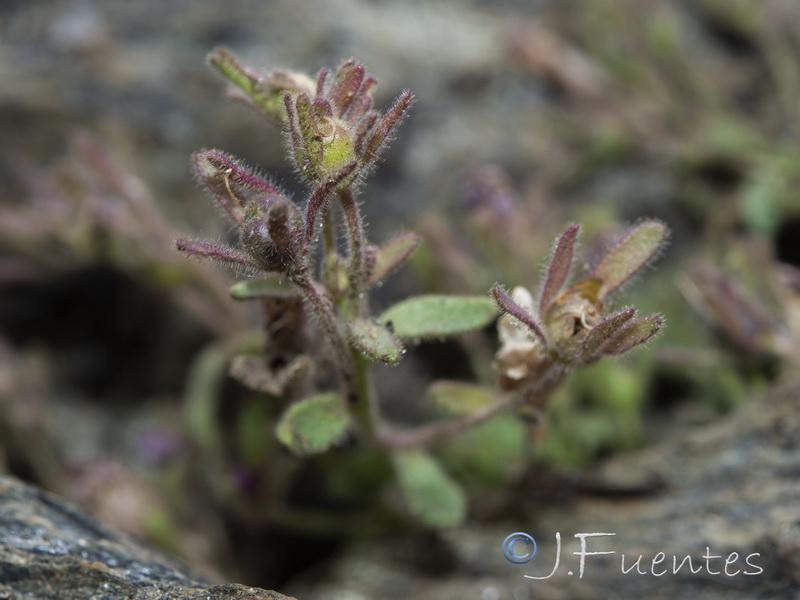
[528, 115]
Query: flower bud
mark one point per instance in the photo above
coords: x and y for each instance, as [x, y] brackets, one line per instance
[272, 234]
[336, 126]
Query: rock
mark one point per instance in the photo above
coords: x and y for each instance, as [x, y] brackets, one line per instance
[51, 550]
[727, 489]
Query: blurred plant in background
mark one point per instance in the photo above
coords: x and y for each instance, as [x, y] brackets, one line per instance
[87, 209]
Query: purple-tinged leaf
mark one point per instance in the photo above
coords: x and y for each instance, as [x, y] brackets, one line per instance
[392, 254]
[321, 80]
[298, 149]
[363, 130]
[383, 132]
[346, 85]
[604, 331]
[720, 298]
[632, 335]
[321, 109]
[509, 306]
[559, 268]
[362, 103]
[635, 250]
[320, 196]
[215, 252]
[285, 227]
[231, 183]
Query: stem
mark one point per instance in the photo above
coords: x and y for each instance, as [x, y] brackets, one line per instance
[323, 309]
[534, 396]
[397, 438]
[364, 408]
[328, 232]
[357, 243]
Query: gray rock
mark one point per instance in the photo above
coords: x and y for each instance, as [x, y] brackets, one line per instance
[727, 489]
[51, 550]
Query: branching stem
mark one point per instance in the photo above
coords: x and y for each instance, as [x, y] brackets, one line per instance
[534, 396]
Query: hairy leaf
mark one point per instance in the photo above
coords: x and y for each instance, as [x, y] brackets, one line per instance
[309, 155]
[230, 182]
[385, 129]
[269, 287]
[314, 424]
[510, 307]
[425, 317]
[603, 331]
[392, 254]
[632, 335]
[558, 270]
[262, 91]
[431, 495]
[634, 251]
[346, 84]
[375, 341]
[215, 252]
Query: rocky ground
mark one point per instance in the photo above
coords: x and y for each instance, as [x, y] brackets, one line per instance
[727, 490]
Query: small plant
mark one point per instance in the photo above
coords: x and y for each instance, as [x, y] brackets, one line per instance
[334, 138]
[565, 329]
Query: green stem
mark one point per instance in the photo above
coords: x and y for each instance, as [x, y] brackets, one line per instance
[365, 406]
[533, 397]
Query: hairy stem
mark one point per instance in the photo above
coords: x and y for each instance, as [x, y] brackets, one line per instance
[328, 232]
[357, 244]
[534, 396]
[323, 309]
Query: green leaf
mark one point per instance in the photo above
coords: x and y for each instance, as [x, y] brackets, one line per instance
[759, 200]
[484, 457]
[392, 254]
[431, 495]
[204, 386]
[307, 155]
[635, 250]
[460, 398]
[263, 91]
[270, 287]
[426, 317]
[314, 424]
[375, 341]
